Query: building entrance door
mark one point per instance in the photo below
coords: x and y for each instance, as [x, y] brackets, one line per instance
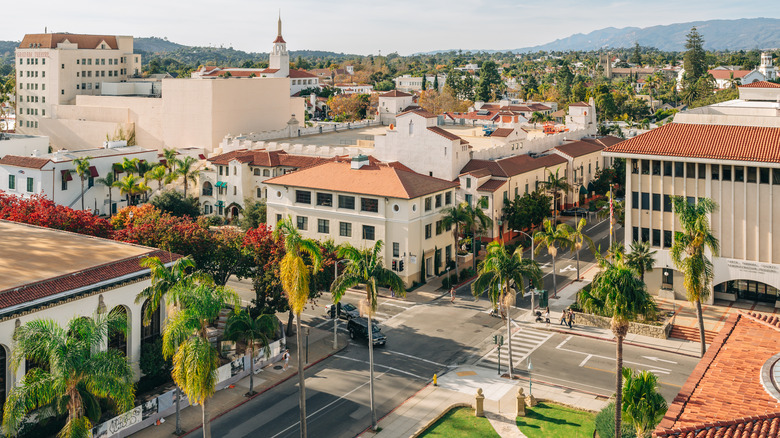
[749, 290]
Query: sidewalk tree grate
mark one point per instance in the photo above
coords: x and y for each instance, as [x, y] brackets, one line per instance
[278, 367]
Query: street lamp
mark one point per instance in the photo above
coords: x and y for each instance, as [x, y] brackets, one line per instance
[532, 259]
[335, 307]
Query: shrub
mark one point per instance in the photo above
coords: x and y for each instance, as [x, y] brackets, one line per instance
[447, 283]
[605, 424]
[151, 362]
[466, 273]
[254, 213]
[176, 204]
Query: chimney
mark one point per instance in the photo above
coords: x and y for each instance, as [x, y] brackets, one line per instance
[359, 161]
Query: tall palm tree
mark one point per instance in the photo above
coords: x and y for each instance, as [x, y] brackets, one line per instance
[688, 252]
[455, 217]
[186, 171]
[130, 165]
[617, 292]
[578, 239]
[109, 181]
[476, 221]
[157, 174]
[556, 184]
[128, 186]
[242, 327]
[552, 237]
[82, 170]
[295, 277]
[186, 339]
[496, 272]
[643, 406]
[78, 370]
[170, 159]
[641, 258]
[366, 267]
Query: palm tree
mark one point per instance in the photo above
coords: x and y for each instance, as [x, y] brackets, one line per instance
[455, 217]
[186, 171]
[496, 272]
[641, 258]
[242, 327]
[536, 117]
[552, 238]
[170, 159]
[578, 239]
[82, 170]
[643, 406]
[130, 165]
[128, 186]
[109, 181]
[365, 267]
[157, 174]
[78, 371]
[556, 184]
[186, 339]
[476, 220]
[181, 274]
[688, 252]
[617, 292]
[295, 277]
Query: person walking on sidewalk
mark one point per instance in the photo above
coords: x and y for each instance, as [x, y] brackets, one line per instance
[547, 315]
[286, 357]
[563, 316]
[452, 294]
[570, 318]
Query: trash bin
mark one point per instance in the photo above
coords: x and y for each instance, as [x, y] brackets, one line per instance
[543, 299]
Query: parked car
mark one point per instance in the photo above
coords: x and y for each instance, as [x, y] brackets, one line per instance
[578, 211]
[358, 328]
[346, 311]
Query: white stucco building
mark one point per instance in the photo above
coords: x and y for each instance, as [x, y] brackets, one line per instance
[22, 144]
[391, 104]
[409, 83]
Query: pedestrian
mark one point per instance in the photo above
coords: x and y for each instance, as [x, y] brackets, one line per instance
[286, 357]
[563, 317]
[571, 318]
[547, 315]
[452, 294]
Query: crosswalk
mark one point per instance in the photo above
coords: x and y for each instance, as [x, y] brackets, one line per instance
[524, 342]
[387, 309]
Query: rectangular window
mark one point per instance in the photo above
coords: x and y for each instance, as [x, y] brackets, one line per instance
[645, 167]
[428, 231]
[679, 169]
[11, 182]
[752, 174]
[468, 182]
[690, 170]
[691, 200]
[667, 203]
[635, 234]
[715, 171]
[645, 201]
[656, 237]
[656, 167]
[303, 196]
[656, 202]
[645, 234]
[448, 198]
[438, 200]
[439, 228]
[302, 222]
[396, 249]
[323, 226]
[739, 174]
[667, 239]
[347, 202]
[325, 199]
[775, 177]
[259, 192]
[368, 232]
[667, 278]
[369, 204]
[428, 204]
[29, 184]
[634, 199]
[763, 175]
[635, 166]
[448, 253]
[345, 229]
[468, 199]
[702, 171]
[726, 173]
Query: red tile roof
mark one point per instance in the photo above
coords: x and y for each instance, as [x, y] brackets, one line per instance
[761, 84]
[395, 93]
[279, 39]
[298, 74]
[718, 142]
[28, 162]
[726, 74]
[578, 104]
[605, 140]
[579, 148]
[512, 166]
[502, 132]
[267, 158]
[725, 395]
[492, 185]
[446, 134]
[50, 40]
[419, 112]
[373, 179]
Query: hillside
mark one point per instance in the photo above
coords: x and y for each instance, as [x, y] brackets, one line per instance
[154, 45]
[741, 34]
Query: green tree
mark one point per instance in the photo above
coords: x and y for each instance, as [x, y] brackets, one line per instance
[424, 85]
[82, 170]
[527, 211]
[552, 237]
[641, 258]
[688, 251]
[186, 339]
[577, 239]
[556, 184]
[75, 375]
[241, 327]
[617, 292]
[185, 169]
[536, 117]
[254, 213]
[365, 267]
[130, 165]
[490, 85]
[109, 181]
[129, 186]
[455, 217]
[695, 58]
[643, 406]
[476, 221]
[497, 273]
[636, 56]
[295, 276]
[170, 159]
[158, 174]
[176, 204]
[436, 82]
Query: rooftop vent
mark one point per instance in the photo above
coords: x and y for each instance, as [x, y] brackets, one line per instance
[359, 161]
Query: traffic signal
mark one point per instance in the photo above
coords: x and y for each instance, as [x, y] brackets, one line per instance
[395, 265]
[400, 266]
[338, 309]
[332, 312]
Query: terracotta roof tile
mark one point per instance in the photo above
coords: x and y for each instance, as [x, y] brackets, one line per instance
[605, 140]
[395, 93]
[50, 40]
[279, 39]
[502, 132]
[578, 104]
[718, 142]
[267, 158]
[443, 133]
[374, 179]
[726, 74]
[419, 112]
[298, 74]
[28, 162]
[492, 185]
[579, 148]
[760, 84]
[513, 165]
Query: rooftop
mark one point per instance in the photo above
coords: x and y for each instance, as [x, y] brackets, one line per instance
[50, 40]
[267, 158]
[511, 166]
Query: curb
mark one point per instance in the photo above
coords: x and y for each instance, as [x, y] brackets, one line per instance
[634, 344]
[247, 399]
[422, 429]
[394, 409]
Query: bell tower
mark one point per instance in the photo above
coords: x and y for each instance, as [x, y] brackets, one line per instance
[279, 58]
[766, 68]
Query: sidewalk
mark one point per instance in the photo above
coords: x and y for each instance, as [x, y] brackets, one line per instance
[458, 387]
[320, 347]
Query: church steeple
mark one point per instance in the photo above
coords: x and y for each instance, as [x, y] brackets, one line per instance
[279, 38]
[279, 59]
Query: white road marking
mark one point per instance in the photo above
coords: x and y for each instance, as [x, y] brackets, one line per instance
[596, 225]
[524, 342]
[380, 365]
[569, 268]
[666, 370]
[584, 361]
[415, 357]
[564, 341]
[659, 371]
[388, 303]
[658, 359]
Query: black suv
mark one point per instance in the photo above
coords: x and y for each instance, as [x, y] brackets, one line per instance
[358, 327]
[347, 311]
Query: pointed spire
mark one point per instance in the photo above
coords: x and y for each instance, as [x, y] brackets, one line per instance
[279, 33]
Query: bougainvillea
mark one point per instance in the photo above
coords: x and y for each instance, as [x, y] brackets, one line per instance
[37, 210]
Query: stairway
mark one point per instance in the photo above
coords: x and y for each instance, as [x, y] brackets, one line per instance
[691, 334]
[222, 320]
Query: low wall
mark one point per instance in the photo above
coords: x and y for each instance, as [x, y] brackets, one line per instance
[653, 331]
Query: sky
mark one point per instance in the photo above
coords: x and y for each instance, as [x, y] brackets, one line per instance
[361, 26]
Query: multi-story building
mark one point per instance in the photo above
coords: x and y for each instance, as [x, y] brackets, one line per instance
[54, 68]
[727, 152]
[391, 104]
[363, 201]
[409, 83]
[584, 160]
[54, 176]
[21, 144]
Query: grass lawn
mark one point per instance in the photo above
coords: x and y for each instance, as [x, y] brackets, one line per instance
[461, 422]
[551, 420]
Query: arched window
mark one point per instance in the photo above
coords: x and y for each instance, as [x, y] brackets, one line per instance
[266, 172]
[150, 332]
[208, 189]
[117, 339]
[256, 172]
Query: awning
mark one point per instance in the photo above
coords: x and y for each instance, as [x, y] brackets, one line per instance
[220, 203]
[221, 184]
[583, 190]
[163, 162]
[202, 157]
[93, 172]
[591, 187]
[66, 176]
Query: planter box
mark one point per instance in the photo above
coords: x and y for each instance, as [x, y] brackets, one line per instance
[463, 259]
[654, 331]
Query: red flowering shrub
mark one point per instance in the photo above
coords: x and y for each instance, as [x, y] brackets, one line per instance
[37, 210]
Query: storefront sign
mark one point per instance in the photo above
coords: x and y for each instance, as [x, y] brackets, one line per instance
[753, 267]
